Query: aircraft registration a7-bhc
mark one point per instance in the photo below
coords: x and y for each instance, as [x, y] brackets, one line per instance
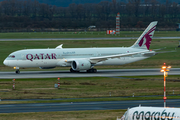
[83, 58]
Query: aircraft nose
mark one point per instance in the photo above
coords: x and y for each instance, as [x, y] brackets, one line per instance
[6, 62]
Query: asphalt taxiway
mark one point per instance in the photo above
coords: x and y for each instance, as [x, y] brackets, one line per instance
[77, 106]
[100, 73]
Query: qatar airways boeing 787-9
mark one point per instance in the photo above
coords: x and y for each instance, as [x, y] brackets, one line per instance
[83, 58]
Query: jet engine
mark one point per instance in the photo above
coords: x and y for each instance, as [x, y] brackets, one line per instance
[78, 65]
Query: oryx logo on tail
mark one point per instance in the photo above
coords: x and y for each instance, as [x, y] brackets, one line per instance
[145, 39]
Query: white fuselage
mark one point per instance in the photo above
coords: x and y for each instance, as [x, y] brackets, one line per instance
[59, 57]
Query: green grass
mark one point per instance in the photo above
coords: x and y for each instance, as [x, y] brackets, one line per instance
[63, 115]
[92, 89]
[94, 34]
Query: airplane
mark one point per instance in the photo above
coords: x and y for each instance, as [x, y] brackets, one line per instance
[83, 58]
[151, 113]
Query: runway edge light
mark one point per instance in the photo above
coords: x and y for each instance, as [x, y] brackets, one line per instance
[58, 83]
[13, 84]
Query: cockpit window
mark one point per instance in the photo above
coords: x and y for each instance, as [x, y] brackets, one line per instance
[11, 56]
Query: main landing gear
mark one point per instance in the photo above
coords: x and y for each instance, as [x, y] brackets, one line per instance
[73, 71]
[92, 70]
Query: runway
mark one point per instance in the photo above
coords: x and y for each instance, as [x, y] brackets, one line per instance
[103, 38]
[100, 73]
[77, 106]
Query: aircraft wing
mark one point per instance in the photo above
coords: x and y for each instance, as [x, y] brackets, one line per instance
[103, 58]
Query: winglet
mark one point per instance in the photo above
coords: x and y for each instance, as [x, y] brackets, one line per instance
[145, 39]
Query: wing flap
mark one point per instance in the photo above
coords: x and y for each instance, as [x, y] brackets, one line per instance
[103, 58]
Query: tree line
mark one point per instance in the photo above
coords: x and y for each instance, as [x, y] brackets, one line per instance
[19, 14]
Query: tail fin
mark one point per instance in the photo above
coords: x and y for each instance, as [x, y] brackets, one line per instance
[144, 40]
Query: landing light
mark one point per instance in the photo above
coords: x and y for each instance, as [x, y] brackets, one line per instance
[16, 67]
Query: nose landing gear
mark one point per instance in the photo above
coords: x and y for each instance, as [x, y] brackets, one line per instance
[17, 70]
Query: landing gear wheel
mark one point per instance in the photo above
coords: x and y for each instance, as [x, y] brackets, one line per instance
[92, 70]
[17, 71]
[73, 71]
[88, 71]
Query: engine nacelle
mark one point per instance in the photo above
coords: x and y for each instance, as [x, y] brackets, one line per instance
[78, 65]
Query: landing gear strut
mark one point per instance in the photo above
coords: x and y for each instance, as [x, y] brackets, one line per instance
[92, 70]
